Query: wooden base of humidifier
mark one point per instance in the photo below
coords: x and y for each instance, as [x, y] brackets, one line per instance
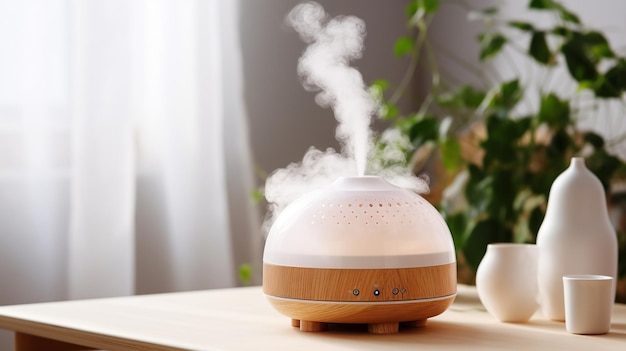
[376, 328]
[381, 298]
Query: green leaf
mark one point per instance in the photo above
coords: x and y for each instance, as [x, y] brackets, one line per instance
[464, 97]
[457, 223]
[491, 44]
[425, 6]
[503, 194]
[580, 66]
[586, 84]
[560, 31]
[508, 95]
[616, 76]
[541, 4]
[539, 48]
[535, 220]
[389, 111]
[470, 97]
[604, 89]
[403, 46]
[381, 84]
[565, 14]
[451, 154]
[257, 195]
[411, 8]
[430, 6]
[598, 45]
[490, 11]
[559, 146]
[596, 140]
[613, 83]
[479, 190]
[245, 274]
[424, 129]
[502, 143]
[603, 165]
[554, 111]
[524, 26]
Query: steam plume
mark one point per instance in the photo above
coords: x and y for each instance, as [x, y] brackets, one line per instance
[325, 67]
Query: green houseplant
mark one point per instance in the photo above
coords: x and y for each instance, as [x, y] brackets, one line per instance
[498, 159]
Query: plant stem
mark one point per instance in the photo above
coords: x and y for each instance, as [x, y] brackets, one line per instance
[422, 27]
[436, 77]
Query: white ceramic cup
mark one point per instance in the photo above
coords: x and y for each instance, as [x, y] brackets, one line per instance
[588, 303]
[506, 281]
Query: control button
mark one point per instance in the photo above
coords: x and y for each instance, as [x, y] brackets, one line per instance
[395, 291]
[403, 290]
[356, 292]
[376, 292]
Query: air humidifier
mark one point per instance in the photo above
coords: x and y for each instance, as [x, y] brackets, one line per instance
[359, 251]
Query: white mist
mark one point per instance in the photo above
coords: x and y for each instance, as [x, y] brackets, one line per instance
[324, 67]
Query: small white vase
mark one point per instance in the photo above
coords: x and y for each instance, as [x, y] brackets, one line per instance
[576, 236]
[506, 281]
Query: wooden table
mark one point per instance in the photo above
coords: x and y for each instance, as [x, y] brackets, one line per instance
[241, 319]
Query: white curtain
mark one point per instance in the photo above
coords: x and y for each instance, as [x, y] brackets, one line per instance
[124, 159]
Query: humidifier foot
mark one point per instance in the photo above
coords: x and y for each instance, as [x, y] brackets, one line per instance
[383, 328]
[295, 323]
[415, 324]
[307, 326]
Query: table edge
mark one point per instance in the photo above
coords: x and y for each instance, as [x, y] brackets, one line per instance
[79, 337]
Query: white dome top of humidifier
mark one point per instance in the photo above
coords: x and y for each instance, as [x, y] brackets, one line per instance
[359, 222]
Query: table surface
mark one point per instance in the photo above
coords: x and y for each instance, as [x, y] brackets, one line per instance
[241, 319]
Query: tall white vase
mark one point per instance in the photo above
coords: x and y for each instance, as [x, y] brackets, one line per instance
[506, 281]
[576, 236]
